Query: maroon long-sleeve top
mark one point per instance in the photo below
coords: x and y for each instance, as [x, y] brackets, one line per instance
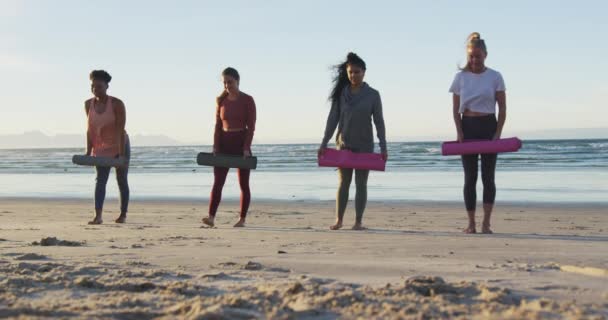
[237, 114]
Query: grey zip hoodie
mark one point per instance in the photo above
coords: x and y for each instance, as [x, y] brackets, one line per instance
[353, 117]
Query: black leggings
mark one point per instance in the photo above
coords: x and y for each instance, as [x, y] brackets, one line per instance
[479, 128]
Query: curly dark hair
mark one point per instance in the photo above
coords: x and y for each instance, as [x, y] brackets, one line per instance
[100, 75]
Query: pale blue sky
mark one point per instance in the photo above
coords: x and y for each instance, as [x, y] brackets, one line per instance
[166, 57]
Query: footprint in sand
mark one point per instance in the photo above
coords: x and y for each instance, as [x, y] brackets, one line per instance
[250, 265]
[138, 263]
[31, 256]
[53, 241]
[217, 276]
[556, 287]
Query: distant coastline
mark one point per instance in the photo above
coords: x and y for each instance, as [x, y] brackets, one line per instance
[39, 140]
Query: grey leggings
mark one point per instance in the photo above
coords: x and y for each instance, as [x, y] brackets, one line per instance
[103, 173]
[346, 176]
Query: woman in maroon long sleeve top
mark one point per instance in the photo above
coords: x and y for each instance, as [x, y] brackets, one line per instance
[234, 128]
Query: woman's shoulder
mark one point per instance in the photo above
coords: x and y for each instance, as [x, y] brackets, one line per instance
[462, 72]
[116, 101]
[493, 72]
[246, 98]
[373, 91]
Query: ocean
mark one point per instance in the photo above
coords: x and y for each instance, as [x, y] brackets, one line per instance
[550, 171]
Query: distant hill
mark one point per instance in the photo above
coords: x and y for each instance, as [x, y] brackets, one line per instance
[37, 139]
[550, 134]
[582, 133]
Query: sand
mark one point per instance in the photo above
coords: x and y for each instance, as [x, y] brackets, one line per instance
[544, 261]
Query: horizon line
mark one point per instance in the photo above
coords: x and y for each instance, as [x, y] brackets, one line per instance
[297, 143]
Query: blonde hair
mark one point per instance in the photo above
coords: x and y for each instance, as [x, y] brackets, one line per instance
[474, 41]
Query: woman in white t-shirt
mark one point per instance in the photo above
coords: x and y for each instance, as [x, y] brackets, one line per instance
[476, 91]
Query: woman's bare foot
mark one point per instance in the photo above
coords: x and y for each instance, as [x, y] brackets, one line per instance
[336, 226]
[121, 219]
[485, 229]
[240, 223]
[209, 221]
[470, 230]
[96, 220]
[359, 226]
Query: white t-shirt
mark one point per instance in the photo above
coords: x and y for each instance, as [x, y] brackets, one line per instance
[477, 91]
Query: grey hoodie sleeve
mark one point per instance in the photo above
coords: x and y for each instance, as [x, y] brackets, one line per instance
[379, 123]
[332, 122]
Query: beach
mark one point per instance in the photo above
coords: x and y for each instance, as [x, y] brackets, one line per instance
[439, 100]
[544, 261]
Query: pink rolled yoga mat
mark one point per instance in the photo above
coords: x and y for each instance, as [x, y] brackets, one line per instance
[350, 160]
[450, 148]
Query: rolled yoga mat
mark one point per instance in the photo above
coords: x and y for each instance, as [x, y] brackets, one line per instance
[226, 161]
[99, 161]
[350, 160]
[450, 148]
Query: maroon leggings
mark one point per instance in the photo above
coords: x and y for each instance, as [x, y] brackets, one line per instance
[230, 143]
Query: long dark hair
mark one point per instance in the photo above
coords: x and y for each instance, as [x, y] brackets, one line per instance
[341, 78]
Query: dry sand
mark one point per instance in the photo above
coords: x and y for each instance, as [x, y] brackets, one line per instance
[547, 261]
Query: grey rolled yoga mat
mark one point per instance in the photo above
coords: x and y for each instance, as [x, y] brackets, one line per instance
[226, 161]
[99, 161]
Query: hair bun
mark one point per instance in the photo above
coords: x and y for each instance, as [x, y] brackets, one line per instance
[474, 36]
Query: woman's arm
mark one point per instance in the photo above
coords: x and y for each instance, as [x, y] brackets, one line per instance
[121, 119]
[380, 128]
[501, 99]
[456, 116]
[89, 142]
[330, 126]
[250, 122]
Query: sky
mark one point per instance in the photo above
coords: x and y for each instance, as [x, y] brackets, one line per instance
[166, 58]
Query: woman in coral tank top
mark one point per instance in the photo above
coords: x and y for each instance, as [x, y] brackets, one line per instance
[106, 137]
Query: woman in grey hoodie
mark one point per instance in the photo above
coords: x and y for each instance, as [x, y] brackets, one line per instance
[353, 105]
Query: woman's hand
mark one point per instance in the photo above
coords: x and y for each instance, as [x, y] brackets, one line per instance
[385, 156]
[321, 151]
[460, 136]
[496, 136]
[246, 153]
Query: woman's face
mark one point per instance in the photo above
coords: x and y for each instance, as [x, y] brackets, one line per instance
[476, 58]
[355, 74]
[99, 88]
[230, 84]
